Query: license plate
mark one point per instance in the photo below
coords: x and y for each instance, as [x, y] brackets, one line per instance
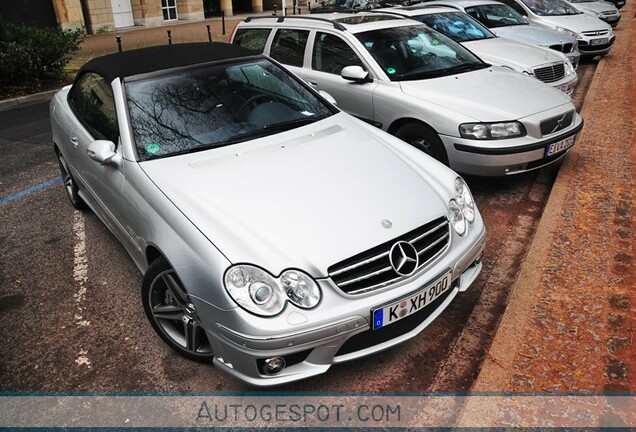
[558, 146]
[389, 314]
[599, 41]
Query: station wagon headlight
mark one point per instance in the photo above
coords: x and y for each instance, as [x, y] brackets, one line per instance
[483, 131]
[260, 293]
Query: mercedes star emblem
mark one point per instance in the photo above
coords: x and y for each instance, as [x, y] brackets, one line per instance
[386, 223]
[404, 258]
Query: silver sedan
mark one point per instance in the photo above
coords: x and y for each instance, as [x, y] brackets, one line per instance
[276, 234]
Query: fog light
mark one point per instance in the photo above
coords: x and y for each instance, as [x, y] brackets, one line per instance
[274, 365]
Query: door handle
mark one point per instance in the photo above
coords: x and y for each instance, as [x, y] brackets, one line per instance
[74, 141]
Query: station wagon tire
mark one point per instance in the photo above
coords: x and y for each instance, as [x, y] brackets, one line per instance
[424, 138]
[70, 186]
[172, 314]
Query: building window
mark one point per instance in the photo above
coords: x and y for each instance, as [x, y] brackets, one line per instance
[169, 8]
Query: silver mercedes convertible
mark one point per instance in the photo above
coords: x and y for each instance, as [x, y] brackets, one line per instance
[276, 235]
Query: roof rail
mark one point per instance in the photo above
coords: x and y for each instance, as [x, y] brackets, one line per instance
[336, 24]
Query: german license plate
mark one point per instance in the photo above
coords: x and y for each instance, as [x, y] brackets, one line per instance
[395, 311]
[559, 146]
[602, 41]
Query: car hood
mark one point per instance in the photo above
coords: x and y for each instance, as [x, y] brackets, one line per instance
[491, 94]
[519, 56]
[577, 23]
[307, 198]
[533, 35]
[596, 6]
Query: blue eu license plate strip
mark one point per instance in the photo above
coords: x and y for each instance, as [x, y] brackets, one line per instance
[400, 309]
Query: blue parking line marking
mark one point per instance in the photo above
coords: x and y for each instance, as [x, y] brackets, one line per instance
[30, 190]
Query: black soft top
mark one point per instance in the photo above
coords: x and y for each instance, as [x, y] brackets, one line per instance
[145, 60]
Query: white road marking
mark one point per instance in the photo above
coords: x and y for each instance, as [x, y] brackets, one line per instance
[80, 274]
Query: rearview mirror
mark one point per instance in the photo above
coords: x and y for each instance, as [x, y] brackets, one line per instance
[355, 73]
[101, 151]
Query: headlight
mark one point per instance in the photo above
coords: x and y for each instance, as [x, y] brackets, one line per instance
[568, 31]
[464, 199]
[260, 293]
[456, 217]
[569, 68]
[482, 131]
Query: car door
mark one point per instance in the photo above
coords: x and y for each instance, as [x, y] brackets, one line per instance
[91, 100]
[329, 55]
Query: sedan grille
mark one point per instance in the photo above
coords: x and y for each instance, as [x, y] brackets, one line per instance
[372, 269]
[551, 73]
[557, 123]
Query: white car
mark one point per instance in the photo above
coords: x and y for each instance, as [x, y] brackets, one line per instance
[505, 22]
[546, 65]
[594, 35]
[599, 9]
[412, 81]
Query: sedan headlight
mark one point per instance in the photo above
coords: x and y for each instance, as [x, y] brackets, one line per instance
[461, 208]
[262, 294]
[483, 131]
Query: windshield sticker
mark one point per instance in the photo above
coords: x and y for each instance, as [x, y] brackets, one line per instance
[390, 71]
[153, 148]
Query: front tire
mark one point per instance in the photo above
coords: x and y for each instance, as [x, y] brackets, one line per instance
[423, 138]
[172, 314]
[72, 190]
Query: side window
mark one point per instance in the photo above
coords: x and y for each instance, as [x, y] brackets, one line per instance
[288, 46]
[93, 102]
[251, 38]
[331, 54]
[513, 4]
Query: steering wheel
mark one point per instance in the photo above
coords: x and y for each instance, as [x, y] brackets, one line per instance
[251, 103]
[419, 61]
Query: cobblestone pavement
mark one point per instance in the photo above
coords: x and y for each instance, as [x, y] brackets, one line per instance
[572, 316]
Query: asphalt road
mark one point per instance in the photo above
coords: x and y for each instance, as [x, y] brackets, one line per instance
[71, 316]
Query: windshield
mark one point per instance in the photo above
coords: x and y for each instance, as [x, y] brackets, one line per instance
[551, 7]
[217, 105]
[417, 52]
[456, 25]
[583, 1]
[496, 15]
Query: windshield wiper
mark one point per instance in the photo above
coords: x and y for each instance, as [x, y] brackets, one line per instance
[466, 67]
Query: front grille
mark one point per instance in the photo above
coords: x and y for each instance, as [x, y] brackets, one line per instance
[551, 73]
[596, 33]
[372, 269]
[556, 123]
[371, 338]
[609, 13]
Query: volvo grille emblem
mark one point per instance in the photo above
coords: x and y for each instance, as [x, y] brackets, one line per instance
[386, 223]
[559, 124]
[404, 258]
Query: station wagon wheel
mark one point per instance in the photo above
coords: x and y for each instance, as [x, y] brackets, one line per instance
[69, 183]
[172, 314]
[424, 138]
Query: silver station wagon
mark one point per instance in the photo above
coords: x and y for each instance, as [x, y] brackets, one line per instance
[277, 235]
[421, 86]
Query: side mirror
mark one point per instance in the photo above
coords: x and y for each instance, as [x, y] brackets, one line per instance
[327, 96]
[101, 151]
[356, 74]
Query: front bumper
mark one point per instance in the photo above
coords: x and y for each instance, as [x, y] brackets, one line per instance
[310, 351]
[497, 158]
[587, 49]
